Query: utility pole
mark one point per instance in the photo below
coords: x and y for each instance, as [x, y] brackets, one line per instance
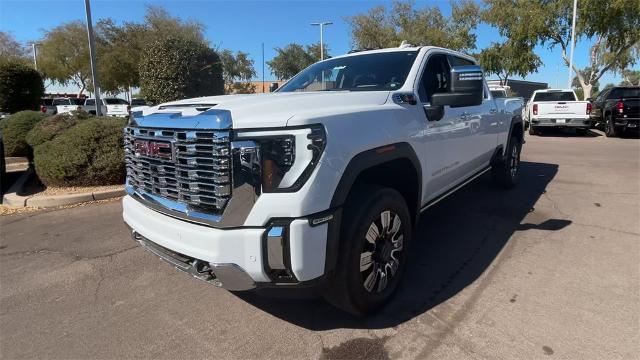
[322, 25]
[35, 56]
[92, 55]
[263, 68]
[573, 36]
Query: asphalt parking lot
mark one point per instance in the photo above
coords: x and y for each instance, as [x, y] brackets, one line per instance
[547, 270]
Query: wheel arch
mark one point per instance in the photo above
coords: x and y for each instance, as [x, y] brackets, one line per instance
[393, 165]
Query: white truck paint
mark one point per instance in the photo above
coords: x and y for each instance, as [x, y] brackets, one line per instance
[557, 108]
[317, 133]
[66, 105]
[110, 107]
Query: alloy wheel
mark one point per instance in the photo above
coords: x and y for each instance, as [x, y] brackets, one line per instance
[380, 257]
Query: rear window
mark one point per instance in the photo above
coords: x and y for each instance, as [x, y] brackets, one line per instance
[61, 102]
[90, 102]
[555, 96]
[47, 102]
[138, 102]
[116, 102]
[77, 101]
[624, 93]
[497, 94]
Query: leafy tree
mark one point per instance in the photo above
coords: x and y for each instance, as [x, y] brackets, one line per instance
[173, 68]
[294, 58]
[10, 49]
[21, 87]
[630, 77]
[237, 70]
[120, 47]
[614, 27]
[380, 28]
[64, 55]
[508, 59]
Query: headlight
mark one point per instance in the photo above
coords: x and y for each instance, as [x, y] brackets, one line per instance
[287, 156]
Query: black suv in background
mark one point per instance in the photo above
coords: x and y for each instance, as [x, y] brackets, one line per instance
[618, 109]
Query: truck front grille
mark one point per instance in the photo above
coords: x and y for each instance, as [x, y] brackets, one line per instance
[187, 166]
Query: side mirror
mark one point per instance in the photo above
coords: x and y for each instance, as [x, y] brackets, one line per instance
[273, 87]
[467, 88]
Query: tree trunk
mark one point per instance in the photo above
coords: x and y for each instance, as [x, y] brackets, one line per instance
[586, 91]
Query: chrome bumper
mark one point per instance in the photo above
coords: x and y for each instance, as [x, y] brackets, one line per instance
[227, 276]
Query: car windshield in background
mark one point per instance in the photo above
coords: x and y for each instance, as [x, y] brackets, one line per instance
[622, 93]
[555, 96]
[116, 102]
[61, 102]
[138, 102]
[77, 101]
[497, 94]
[366, 72]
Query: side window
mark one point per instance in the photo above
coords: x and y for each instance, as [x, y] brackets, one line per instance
[458, 61]
[435, 78]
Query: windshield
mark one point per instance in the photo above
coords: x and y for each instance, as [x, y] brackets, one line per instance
[116, 102]
[61, 102]
[498, 94]
[367, 72]
[621, 93]
[555, 96]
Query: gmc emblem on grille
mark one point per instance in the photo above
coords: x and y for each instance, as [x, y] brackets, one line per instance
[154, 149]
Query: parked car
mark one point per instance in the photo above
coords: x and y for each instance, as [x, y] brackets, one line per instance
[139, 104]
[65, 105]
[618, 109]
[557, 108]
[110, 107]
[3, 168]
[47, 107]
[320, 184]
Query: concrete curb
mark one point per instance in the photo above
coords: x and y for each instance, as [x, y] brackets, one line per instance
[12, 199]
[70, 199]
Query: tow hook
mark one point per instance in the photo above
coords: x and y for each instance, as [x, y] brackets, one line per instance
[201, 270]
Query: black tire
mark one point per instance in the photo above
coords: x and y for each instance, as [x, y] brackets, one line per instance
[506, 172]
[610, 127]
[387, 250]
[581, 132]
[533, 131]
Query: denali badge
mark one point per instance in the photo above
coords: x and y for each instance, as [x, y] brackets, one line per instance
[154, 149]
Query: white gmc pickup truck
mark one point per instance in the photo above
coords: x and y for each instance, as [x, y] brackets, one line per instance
[557, 108]
[320, 184]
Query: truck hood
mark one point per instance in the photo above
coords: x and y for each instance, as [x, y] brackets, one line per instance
[277, 109]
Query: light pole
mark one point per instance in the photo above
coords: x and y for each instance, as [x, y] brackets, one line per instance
[92, 55]
[573, 35]
[322, 25]
[35, 55]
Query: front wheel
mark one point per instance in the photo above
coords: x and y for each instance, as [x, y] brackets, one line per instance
[376, 232]
[506, 172]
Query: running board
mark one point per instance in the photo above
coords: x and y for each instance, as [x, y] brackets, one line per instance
[454, 189]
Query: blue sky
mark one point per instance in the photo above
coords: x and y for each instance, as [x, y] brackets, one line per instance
[245, 25]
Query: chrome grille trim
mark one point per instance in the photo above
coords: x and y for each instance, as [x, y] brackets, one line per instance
[199, 178]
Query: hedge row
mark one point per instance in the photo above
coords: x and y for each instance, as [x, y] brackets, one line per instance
[68, 149]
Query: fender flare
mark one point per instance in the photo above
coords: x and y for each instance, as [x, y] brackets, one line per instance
[370, 158]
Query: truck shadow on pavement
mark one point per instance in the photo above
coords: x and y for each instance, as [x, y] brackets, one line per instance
[457, 241]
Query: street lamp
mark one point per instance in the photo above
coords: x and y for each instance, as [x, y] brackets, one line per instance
[322, 25]
[573, 42]
[35, 55]
[92, 57]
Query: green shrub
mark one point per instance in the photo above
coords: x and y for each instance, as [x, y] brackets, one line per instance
[21, 87]
[172, 69]
[53, 126]
[87, 154]
[15, 129]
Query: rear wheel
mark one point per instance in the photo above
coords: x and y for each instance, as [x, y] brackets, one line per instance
[506, 172]
[533, 131]
[376, 231]
[610, 127]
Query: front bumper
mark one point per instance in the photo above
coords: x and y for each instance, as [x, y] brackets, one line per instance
[235, 259]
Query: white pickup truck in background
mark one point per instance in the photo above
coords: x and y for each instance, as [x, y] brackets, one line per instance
[557, 108]
[66, 105]
[110, 107]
